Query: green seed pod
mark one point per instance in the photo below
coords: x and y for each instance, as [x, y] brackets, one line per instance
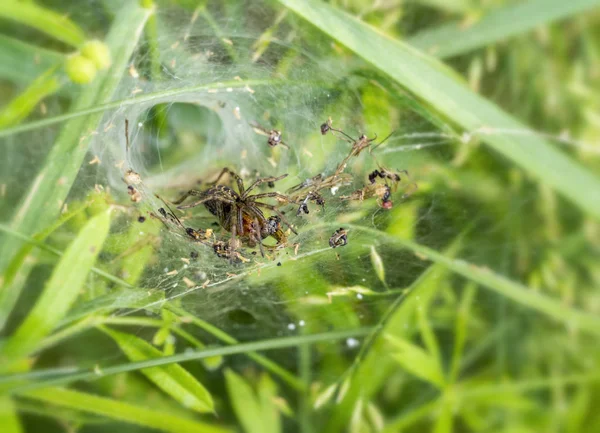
[97, 52]
[80, 70]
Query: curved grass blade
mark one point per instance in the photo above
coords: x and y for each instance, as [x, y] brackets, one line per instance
[454, 39]
[172, 379]
[49, 189]
[60, 291]
[245, 404]
[54, 24]
[164, 421]
[437, 85]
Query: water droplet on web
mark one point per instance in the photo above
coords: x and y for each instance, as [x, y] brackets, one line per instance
[166, 269]
[291, 326]
[352, 342]
[359, 296]
[301, 323]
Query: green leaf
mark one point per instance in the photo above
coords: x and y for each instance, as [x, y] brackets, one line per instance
[45, 20]
[118, 410]
[21, 106]
[417, 361]
[61, 290]
[172, 379]
[21, 63]
[516, 18]
[435, 84]
[267, 395]
[245, 404]
[8, 416]
[48, 191]
[16, 273]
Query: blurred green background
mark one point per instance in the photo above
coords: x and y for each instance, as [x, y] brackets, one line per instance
[473, 305]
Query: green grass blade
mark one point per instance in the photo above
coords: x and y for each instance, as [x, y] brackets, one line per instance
[50, 188]
[8, 416]
[436, 85]
[14, 382]
[20, 107]
[155, 97]
[523, 295]
[21, 63]
[514, 19]
[164, 421]
[15, 275]
[172, 379]
[416, 361]
[54, 24]
[245, 403]
[61, 290]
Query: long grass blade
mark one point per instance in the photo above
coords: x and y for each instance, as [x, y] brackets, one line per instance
[164, 421]
[60, 292]
[497, 26]
[436, 85]
[52, 377]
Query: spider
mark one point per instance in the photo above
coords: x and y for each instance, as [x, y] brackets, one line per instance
[339, 238]
[274, 136]
[240, 212]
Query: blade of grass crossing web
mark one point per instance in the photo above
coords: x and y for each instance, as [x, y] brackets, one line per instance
[61, 290]
[50, 187]
[164, 421]
[52, 377]
[455, 39]
[437, 85]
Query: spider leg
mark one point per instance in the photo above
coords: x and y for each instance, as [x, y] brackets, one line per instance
[260, 181]
[191, 192]
[205, 199]
[258, 237]
[280, 197]
[279, 214]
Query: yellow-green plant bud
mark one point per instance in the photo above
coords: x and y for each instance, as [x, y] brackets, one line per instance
[80, 70]
[97, 52]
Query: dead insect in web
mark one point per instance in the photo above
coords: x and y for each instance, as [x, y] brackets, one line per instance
[311, 196]
[241, 212]
[273, 135]
[135, 195]
[384, 173]
[339, 238]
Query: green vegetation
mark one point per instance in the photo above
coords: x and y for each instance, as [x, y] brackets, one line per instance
[472, 304]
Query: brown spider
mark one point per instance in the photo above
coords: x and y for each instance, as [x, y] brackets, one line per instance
[240, 212]
[274, 136]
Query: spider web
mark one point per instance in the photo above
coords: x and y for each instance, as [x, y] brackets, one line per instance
[195, 118]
